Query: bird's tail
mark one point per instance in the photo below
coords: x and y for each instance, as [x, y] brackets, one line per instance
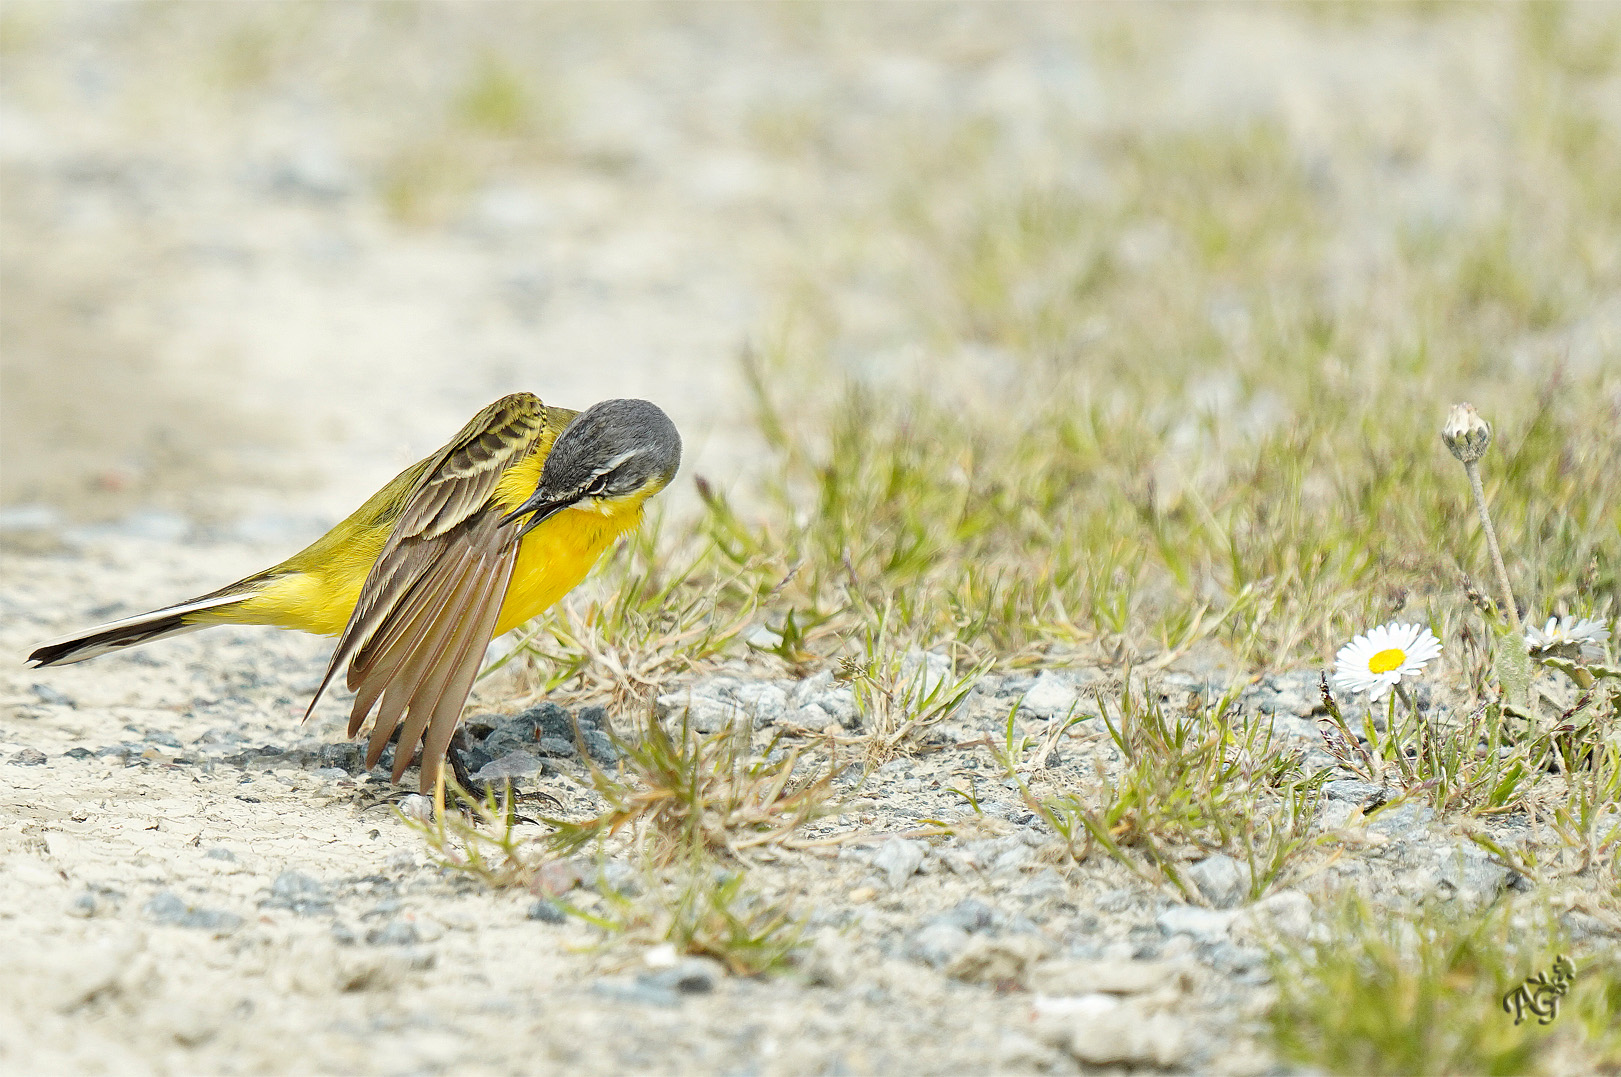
[169, 621]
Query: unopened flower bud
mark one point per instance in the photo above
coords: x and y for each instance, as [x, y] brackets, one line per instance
[1466, 434]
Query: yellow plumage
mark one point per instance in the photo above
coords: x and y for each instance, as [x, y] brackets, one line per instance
[315, 590]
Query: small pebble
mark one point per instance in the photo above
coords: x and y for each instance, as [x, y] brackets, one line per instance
[899, 859]
[396, 933]
[689, 976]
[46, 694]
[418, 807]
[547, 912]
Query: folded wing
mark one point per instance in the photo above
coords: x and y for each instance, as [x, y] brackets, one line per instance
[429, 604]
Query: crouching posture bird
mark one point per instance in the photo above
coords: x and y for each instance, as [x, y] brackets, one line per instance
[458, 548]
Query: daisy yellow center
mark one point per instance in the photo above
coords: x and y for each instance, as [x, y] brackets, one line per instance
[1387, 660]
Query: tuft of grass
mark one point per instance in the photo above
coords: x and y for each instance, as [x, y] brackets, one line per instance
[1420, 990]
[1185, 786]
[705, 911]
[688, 795]
[691, 809]
[900, 695]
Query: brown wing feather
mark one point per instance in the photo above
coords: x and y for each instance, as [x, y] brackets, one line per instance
[429, 605]
[436, 702]
[409, 647]
[446, 713]
[454, 486]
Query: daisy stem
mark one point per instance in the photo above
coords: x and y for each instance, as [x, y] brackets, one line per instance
[1472, 469]
[1412, 708]
[1418, 723]
[1393, 739]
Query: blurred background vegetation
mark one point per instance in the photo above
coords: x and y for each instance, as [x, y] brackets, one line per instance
[1019, 331]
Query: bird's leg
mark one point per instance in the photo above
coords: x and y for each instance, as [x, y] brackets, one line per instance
[458, 766]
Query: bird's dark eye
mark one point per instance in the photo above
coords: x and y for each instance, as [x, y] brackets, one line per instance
[597, 486]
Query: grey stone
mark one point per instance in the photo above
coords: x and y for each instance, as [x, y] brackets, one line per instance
[840, 704]
[1222, 880]
[599, 745]
[1205, 925]
[1052, 696]
[689, 976]
[1287, 912]
[30, 517]
[1245, 962]
[899, 859]
[969, 914]
[1404, 821]
[704, 714]
[829, 960]
[1115, 976]
[937, 944]
[512, 765]
[349, 758]
[394, 933]
[28, 757]
[548, 912]
[78, 753]
[813, 717]
[299, 894]
[1471, 873]
[618, 877]
[167, 907]
[83, 906]
[1045, 885]
[767, 702]
[924, 671]
[762, 638]
[47, 694]
[1114, 1038]
[636, 991]
[556, 747]
[1364, 795]
[1012, 861]
[803, 692]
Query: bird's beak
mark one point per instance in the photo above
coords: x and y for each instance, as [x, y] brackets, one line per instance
[543, 509]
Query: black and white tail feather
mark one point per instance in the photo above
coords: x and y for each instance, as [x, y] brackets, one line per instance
[129, 632]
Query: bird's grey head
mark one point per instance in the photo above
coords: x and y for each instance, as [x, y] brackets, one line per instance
[612, 450]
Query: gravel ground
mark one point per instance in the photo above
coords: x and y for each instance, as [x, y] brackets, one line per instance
[195, 883]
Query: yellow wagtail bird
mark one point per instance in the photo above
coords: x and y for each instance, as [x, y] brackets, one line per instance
[458, 548]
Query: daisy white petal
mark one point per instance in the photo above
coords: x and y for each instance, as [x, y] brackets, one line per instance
[1572, 634]
[1376, 662]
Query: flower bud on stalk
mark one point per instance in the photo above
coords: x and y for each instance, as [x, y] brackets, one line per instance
[1466, 434]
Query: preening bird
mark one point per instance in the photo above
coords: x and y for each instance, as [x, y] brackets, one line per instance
[479, 537]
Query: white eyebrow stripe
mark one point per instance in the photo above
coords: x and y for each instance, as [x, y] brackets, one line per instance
[615, 462]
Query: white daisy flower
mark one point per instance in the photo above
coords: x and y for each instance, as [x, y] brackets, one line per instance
[1376, 662]
[1580, 633]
